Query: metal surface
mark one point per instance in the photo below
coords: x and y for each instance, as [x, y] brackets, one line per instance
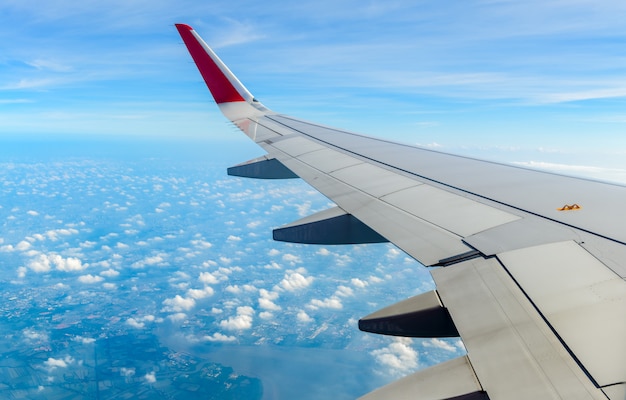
[261, 168]
[581, 299]
[419, 316]
[448, 380]
[513, 351]
[333, 226]
[536, 294]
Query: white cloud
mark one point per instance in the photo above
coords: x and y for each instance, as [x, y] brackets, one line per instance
[332, 302]
[242, 321]
[207, 278]
[32, 212]
[90, 279]
[273, 252]
[40, 264]
[69, 264]
[55, 233]
[54, 363]
[84, 340]
[207, 291]
[135, 324]
[202, 244]
[344, 291]
[21, 272]
[43, 263]
[292, 259]
[235, 289]
[177, 317]
[303, 317]
[356, 282]
[323, 251]
[295, 281]
[393, 252]
[399, 356]
[266, 315]
[7, 248]
[233, 238]
[253, 224]
[158, 260]
[439, 344]
[266, 300]
[110, 273]
[150, 377]
[218, 337]
[178, 303]
[23, 246]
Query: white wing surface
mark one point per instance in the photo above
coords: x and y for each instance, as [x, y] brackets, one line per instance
[529, 265]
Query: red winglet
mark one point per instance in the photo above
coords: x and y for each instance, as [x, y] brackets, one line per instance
[208, 64]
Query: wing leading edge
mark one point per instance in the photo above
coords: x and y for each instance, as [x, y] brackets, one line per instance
[535, 290]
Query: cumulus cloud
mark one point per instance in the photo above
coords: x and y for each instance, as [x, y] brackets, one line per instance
[54, 363]
[178, 304]
[266, 315]
[241, 321]
[218, 337]
[55, 234]
[344, 291]
[140, 322]
[197, 294]
[207, 278]
[399, 357]
[45, 262]
[135, 324]
[323, 251]
[155, 260]
[69, 264]
[356, 282]
[331, 302]
[295, 281]
[84, 340]
[393, 252]
[110, 273]
[303, 317]
[32, 213]
[40, 264]
[22, 246]
[266, 300]
[272, 265]
[273, 252]
[253, 224]
[233, 238]
[292, 259]
[177, 317]
[441, 344]
[202, 244]
[90, 278]
[150, 377]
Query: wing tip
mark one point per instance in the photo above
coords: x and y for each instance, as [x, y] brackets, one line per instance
[224, 86]
[183, 26]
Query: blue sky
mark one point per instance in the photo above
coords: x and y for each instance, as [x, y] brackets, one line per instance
[537, 83]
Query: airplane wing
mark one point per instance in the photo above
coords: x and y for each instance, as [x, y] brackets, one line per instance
[529, 265]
